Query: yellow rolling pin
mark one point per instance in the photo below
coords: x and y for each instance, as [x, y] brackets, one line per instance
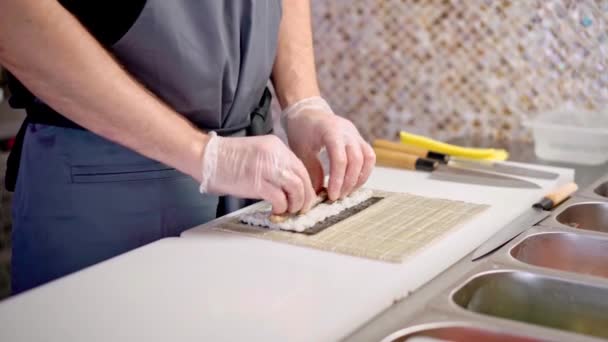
[453, 150]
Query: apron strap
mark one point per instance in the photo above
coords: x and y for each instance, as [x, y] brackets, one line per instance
[261, 118]
[261, 124]
[12, 163]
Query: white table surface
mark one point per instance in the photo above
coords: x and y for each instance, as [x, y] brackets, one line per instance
[217, 286]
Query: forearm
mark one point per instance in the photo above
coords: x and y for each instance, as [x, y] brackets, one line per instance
[294, 73]
[63, 65]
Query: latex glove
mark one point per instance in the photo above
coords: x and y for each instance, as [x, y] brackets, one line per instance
[259, 167]
[311, 125]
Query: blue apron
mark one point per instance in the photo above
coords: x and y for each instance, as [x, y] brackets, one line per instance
[81, 199]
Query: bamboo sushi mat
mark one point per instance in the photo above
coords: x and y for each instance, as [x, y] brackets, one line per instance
[392, 229]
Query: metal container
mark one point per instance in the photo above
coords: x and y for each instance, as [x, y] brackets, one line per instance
[550, 283]
[451, 323]
[458, 331]
[509, 295]
[597, 191]
[602, 190]
[537, 299]
[581, 214]
[564, 251]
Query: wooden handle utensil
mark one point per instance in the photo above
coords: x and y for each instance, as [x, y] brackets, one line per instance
[401, 160]
[555, 198]
[409, 149]
[399, 147]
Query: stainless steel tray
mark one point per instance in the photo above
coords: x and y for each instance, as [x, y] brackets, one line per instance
[581, 214]
[452, 327]
[538, 299]
[563, 251]
[549, 284]
[597, 191]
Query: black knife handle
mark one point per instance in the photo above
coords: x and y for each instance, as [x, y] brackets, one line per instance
[425, 164]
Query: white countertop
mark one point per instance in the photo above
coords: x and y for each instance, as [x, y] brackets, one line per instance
[216, 286]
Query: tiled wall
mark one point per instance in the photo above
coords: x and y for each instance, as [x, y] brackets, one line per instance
[448, 68]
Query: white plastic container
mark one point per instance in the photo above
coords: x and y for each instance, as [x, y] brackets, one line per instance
[571, 135]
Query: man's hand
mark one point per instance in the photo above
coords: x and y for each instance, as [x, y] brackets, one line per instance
[311, 126]
[257, 167]
[309, 122]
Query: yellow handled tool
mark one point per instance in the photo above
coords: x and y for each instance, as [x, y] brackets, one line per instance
[453, 150]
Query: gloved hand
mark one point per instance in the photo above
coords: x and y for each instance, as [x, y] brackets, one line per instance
[259, 168]
[311, 125]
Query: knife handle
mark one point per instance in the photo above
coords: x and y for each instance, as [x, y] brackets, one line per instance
[556, 197]
[400, 160]
[399, 147]
[409, 149]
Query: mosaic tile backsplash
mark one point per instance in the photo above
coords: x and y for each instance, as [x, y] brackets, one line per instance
[448, 68]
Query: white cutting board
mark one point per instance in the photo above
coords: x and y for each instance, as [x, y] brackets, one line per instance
[215, 286]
